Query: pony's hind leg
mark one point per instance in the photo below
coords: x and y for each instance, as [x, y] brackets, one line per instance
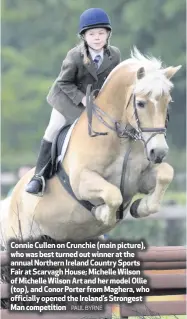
[92, 186]
[150, 204]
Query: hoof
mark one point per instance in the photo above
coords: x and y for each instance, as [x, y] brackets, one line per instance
[103, 214]
[134, 207]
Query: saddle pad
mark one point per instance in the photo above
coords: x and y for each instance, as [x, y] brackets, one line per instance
[62, 143]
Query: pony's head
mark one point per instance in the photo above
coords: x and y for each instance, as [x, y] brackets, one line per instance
[147, 102]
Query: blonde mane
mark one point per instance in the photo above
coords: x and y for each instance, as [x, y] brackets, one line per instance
[154, 82]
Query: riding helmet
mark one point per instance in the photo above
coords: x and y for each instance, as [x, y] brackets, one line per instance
[94, 18]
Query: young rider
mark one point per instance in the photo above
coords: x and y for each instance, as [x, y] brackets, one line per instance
[88, 63]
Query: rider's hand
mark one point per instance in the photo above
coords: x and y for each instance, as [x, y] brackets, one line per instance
[84, 101]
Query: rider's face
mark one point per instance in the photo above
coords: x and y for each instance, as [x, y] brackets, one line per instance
[96, 38]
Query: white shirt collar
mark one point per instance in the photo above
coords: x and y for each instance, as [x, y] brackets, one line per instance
[94, 53]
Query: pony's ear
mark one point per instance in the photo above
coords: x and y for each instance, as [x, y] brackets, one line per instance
[140, 73]
[171, 70]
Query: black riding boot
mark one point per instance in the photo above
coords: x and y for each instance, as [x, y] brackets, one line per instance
[43, 165]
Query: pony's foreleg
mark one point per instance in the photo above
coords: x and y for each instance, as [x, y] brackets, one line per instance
[92, 186]
[150, 204]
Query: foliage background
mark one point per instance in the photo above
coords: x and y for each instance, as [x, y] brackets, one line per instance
[36, 36]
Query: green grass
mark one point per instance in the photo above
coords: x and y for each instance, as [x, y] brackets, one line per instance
[179, 197]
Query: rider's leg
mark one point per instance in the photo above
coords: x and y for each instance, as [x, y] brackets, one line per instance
[56, 122]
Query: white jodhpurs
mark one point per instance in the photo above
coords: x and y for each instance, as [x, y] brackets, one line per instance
[57, 120]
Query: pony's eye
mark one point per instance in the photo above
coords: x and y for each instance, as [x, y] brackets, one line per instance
[140, 104]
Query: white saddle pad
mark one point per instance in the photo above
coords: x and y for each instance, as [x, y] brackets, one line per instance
[66, 143]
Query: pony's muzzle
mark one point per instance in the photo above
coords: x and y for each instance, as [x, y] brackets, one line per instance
[157, 155]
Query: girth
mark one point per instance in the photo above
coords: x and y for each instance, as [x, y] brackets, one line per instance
[64, 179]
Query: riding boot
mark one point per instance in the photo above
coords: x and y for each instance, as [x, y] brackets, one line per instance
[37, 184]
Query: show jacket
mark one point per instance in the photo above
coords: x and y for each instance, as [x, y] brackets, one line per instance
[69, 88]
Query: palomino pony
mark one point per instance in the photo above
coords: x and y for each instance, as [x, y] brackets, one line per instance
[124, 158]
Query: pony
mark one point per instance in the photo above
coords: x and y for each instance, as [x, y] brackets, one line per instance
[117, 149]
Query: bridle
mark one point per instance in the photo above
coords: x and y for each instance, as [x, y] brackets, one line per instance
[122, 132]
